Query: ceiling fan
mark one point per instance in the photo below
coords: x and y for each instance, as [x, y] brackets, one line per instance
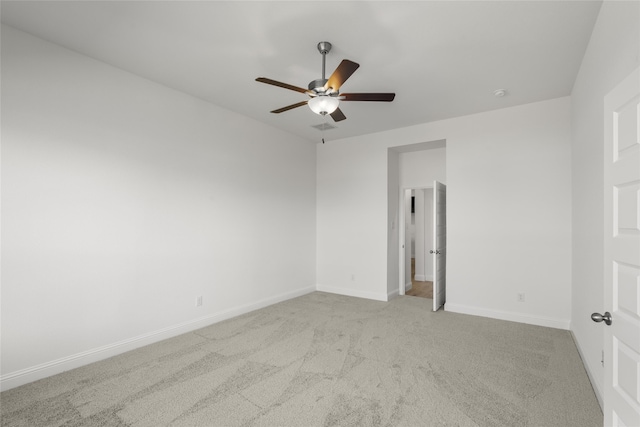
[325, 93]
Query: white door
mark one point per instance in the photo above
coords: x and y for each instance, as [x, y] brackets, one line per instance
[439, 250]
[407, 239]
[622, 254]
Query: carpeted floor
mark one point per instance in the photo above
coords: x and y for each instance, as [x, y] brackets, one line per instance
[327, 360]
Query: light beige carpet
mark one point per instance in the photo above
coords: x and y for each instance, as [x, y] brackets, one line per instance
[327, 360]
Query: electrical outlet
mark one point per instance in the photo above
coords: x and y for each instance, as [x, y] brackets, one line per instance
[199, 301]
[521, 297]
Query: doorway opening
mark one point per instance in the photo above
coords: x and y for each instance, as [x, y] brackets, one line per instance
[418, 237]
[417, 167]
[423, 246]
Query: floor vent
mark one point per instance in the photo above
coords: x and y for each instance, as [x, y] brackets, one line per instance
[323, 126]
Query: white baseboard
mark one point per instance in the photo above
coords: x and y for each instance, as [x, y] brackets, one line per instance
[511, 316]
[47, 369]
[352, 292]
[420, 278]
[594, 384]
[408, 286]
[391, 295]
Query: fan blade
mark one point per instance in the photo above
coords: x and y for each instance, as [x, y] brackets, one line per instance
[289, 107]
[382, 97]
[338, 115]
[341, 74]
[280, 84]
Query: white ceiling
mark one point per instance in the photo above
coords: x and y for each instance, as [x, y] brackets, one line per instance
[442, 58]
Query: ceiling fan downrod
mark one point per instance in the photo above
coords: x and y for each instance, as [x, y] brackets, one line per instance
[324, 48]
[317, 86]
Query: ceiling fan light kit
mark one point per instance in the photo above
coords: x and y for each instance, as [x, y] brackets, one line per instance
[323, 104]
[324, 93]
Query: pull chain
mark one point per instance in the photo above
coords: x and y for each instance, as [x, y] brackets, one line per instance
[324, 126]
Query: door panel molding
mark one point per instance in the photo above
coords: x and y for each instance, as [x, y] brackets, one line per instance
[622, 253]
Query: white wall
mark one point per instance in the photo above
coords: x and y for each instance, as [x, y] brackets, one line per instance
[418, 169]
[351, 221]
[509, 201]
[613, 52]
[509, 214]
[122, 201]
[393, 235]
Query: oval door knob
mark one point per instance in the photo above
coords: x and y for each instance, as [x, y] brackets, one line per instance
[606, 317]
[435, 252]
[431, 252]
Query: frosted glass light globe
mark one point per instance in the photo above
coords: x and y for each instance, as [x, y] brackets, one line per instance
[323, 104]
